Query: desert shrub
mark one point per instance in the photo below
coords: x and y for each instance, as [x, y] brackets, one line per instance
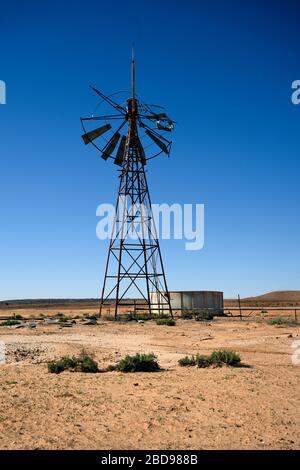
[221, 357]
[161, 316]
[141, 316]
[83, 363]
[128, 317]
[56, 367]
[60, 314]
[203, 361]
[199, 315]
[18, 317]
[186, 315]
[125, 318]
[204, 315]
[282, 321]
[10, 322]
[108, 317]
[217, 358]
[87, 364]
[198, 360]
[166, 321]
[138, 363]
[111, 368]
[187, 361]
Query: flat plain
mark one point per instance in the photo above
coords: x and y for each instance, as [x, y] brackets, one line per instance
[256, 406]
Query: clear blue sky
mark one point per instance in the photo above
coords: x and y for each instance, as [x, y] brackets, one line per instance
[223, 69]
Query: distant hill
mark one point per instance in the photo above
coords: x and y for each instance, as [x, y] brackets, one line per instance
[276, 298]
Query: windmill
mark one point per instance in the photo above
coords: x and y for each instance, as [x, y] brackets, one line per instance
[136, 134]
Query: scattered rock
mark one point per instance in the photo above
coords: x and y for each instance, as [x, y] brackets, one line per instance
[25, 353]
[90, 321]
[50, 321]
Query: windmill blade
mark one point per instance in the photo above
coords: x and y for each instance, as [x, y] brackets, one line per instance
[155, 106]
[109, 100]
[158, 142]
[120, 153]
[92, 135]
[148, 107]
[159, 117]
[141, 151]
[104, 118]
[156, 116]
[167, 128]
[110, 147]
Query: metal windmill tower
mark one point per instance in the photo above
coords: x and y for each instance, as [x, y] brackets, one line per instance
[134, 264]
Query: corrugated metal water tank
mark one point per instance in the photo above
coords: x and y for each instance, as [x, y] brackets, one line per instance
[197, 300]
[194, 300]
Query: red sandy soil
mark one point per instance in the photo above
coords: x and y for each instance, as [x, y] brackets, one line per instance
[178, 408]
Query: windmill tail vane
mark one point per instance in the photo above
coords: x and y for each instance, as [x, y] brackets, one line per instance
[131, 135]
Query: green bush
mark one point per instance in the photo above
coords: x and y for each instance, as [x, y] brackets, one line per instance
[185, 315]
[108, 317]
[230, 358]
[203, 361]
[282, 322]
[217, 358]
[128, 317]
[204, 315]
[143, 317]
[166, 321]
[125, 318]
[83, 363]
[198, 360]
[10, 322]
[87, 364]
[138, 363]
[187, 361]
[199, 315]
[56, 367]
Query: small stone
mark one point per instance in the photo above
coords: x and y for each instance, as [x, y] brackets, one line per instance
[90, 321]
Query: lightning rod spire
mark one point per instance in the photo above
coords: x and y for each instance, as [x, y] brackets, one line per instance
[133, 73]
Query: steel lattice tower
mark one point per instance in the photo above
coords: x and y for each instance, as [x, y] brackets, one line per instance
[134, 261]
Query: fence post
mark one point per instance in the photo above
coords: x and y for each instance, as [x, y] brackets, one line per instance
[239, 300]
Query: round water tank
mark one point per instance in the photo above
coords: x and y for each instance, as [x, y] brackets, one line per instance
[193, 300]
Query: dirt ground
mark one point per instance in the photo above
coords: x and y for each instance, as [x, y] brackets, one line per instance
[253, 407]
